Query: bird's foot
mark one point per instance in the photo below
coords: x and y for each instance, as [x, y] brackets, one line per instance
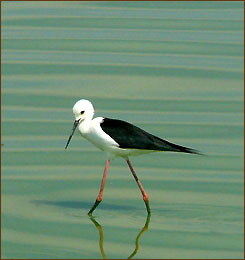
[97, 202]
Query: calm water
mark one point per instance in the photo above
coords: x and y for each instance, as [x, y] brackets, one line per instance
[174, 69]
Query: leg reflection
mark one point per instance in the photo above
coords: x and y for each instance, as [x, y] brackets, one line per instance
[99, 227]
[140, 234]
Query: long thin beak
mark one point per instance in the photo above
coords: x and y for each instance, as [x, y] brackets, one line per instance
[73, 130]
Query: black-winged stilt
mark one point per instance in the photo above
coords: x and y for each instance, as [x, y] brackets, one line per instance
[118, 139]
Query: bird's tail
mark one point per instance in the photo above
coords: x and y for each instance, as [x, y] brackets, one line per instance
[167, 146]
[183, 149]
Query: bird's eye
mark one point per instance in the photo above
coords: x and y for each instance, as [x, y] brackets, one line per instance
[82, 112]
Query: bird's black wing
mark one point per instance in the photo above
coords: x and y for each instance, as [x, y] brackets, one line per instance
[133, 137]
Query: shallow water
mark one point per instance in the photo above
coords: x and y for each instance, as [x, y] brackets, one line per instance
[174, 69]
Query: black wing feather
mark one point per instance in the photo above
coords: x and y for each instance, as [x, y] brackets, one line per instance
[133, 137]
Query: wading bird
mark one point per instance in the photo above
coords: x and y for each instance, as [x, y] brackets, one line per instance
[118, 139]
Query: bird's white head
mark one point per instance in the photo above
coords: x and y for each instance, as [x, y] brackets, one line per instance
[82, 110]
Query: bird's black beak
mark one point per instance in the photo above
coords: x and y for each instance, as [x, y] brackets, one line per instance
[73, 130]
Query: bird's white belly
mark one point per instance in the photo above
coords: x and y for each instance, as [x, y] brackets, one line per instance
[111, 147]
[99, 141]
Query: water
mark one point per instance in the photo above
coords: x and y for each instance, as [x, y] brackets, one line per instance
[172, 68]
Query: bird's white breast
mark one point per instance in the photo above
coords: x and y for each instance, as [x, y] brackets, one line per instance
[93, 132]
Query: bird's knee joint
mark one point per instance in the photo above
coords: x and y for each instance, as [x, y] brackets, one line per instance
[145, 198]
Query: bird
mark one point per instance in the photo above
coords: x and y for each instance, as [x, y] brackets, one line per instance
[118, 138]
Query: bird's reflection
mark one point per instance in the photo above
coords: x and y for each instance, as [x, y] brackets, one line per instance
[137, 245]
[99, 227]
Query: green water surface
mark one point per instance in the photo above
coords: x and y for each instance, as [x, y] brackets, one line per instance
[172, 68]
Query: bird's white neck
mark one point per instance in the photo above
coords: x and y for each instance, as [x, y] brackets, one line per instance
[85, 125]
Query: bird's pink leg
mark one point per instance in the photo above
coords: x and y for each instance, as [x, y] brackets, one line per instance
[100, 196]
[145, 195]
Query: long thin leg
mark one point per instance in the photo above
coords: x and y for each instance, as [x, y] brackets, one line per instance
[145, 195]
[100, 196]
